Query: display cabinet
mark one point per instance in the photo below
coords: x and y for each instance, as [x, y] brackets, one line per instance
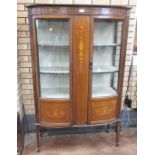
[78, 57]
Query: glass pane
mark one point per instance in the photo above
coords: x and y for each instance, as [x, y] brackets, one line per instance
[53, 49]
[102, 85]
[54, 85]
[106, 54]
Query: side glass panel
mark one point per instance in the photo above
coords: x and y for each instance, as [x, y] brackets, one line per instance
[106, 53]
[53, 52]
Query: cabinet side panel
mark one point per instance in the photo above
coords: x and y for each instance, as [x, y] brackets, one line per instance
[81, 67]
[34, 63]
[122, 62]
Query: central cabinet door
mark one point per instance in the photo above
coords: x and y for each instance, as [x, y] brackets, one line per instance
[81, 68]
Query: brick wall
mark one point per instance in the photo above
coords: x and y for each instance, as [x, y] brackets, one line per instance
[19, 92]
[24, 57]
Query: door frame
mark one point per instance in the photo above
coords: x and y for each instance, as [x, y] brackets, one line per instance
[35, 63]
[124, 33]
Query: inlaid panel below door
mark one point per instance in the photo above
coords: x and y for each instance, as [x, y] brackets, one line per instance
[55, 113]
[103, 109]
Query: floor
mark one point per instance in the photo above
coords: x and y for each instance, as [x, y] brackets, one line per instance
[84, 144]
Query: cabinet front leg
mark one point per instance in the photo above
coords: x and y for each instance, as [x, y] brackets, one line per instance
[107, 128]
[38, 138]
[117, 133]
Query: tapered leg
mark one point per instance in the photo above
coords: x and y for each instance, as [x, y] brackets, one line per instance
[107, 128]
[38, 138]
[41, 134]
[117, 133]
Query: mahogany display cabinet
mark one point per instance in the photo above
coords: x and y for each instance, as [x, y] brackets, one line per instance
[78, 58]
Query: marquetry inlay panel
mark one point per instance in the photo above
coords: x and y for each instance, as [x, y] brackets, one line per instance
[55, 112]
[81, 46]
[103, 109]
[81, 70]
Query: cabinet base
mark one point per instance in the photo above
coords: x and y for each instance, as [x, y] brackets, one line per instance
[40, 134]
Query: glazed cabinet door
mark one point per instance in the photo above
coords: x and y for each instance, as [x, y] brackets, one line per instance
[53, 41]
[104, 69]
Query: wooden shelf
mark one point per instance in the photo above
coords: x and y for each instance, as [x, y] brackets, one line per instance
[105, 45]
[100, 69]
[54, 70]
[95, 45]
[55, 45]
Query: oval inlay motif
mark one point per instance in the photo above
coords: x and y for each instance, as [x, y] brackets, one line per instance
[81, 46]
[81, 10]
[55, 113]
[103, 111]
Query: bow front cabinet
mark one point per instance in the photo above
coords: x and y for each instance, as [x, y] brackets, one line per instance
[78, 57]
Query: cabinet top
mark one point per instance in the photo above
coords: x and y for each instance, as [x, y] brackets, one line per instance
[79, 5]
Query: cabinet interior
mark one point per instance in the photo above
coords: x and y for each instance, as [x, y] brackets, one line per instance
[106, 53]
[53, 48]
[54, 65]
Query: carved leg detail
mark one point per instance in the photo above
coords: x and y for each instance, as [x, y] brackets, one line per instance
[117, 133]
[38, 138]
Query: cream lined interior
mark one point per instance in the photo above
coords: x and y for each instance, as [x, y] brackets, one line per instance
[53, 48]
[106, 52]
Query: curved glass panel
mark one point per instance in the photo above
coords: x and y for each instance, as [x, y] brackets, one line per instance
[53, 52]
[106, 53]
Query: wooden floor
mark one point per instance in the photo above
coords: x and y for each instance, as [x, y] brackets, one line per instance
[84, 144]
